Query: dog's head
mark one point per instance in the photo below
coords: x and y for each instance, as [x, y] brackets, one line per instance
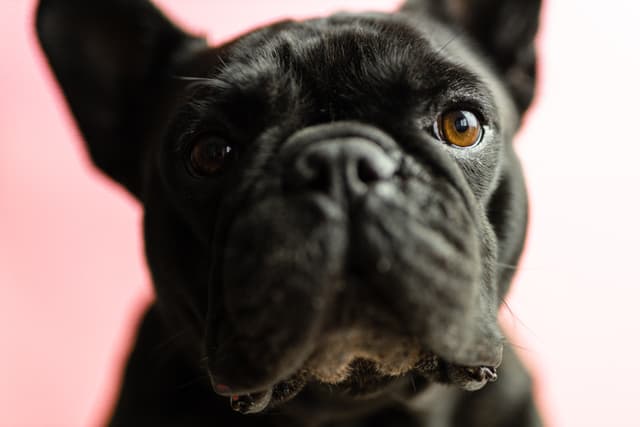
[333, 201]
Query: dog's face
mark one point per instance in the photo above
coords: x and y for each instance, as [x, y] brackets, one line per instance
[326, 202]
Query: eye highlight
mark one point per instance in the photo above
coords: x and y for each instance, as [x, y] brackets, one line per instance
[460, 128]
[209, 155]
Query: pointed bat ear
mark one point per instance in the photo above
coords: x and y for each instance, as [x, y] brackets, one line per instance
[504, 29]
[112, 59]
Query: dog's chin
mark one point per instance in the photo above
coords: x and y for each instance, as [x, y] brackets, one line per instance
[362, 377]
[362, 300]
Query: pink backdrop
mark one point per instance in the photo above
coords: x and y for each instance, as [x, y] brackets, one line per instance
[73, 281]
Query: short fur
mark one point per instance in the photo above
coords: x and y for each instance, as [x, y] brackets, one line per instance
[345, 266]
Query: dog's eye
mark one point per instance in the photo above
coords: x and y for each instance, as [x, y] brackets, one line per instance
[209, 154]
[460, 128]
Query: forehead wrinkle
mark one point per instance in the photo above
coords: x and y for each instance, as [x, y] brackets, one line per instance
[327, 58]
[408, 58]
[330, 39]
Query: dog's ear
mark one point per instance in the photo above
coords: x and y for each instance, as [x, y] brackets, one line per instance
[504, 29]
[111, 58]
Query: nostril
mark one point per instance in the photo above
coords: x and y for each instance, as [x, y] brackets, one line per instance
[320, 181]
[367, 173]
[345, 165]
[318, 174]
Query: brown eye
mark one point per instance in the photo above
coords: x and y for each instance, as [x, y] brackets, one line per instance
[459, 127]
[209, 154]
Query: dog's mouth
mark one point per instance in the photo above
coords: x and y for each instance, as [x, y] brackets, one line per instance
[370, 365]
[363, 363]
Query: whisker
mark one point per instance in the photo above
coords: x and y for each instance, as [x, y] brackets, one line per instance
[516, 267]
[451, 40]
[192, 79]
[223, 63]
[517, 319]
[520, 347]
[507, 266]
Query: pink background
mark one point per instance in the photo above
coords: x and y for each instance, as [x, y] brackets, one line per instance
[73, 281]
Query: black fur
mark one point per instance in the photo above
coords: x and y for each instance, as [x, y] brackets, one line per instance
[345, 266]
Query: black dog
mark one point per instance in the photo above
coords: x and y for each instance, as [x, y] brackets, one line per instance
[330, 206]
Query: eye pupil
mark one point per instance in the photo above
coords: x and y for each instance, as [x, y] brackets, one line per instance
[209, 155]
[215, 152]
[461, 124]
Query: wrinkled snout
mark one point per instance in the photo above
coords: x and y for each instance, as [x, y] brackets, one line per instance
[347, 258]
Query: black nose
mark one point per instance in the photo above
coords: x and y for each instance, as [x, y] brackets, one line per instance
[350, 165]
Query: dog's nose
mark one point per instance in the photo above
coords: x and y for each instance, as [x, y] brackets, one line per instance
[350, 164]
